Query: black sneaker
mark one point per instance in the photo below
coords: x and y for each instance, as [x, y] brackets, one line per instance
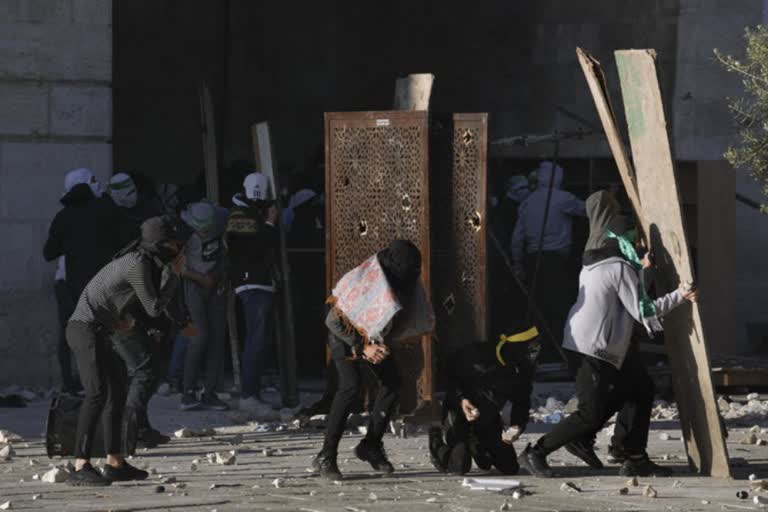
[189, 401]
[88, 477]
[643, 466]
[616, 455]
[211, 402]
[534, 463]
[325, 464]
[124, 473]
[435, 443]
[585, 452]
[373, 453]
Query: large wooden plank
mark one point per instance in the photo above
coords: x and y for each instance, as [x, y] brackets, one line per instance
[593, 72]
[660, 199]
[284, 317]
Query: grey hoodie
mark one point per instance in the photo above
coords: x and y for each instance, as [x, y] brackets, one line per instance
[600, 323]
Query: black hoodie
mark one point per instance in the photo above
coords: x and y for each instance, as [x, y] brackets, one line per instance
[87, 232]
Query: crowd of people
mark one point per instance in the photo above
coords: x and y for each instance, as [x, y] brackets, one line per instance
[132, 274]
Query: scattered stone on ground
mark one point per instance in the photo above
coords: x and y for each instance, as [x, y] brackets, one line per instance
[55, 476]
[650, 492]
[570, 487]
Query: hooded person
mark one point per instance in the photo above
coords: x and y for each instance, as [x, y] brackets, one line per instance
[107, 330]
[611, 376]
[551, 293]
[375, 304]
[83, 231]
[206, 300]
[251, 243]
[482, 378]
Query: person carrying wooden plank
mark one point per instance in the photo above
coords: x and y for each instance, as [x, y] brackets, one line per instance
[611, 377]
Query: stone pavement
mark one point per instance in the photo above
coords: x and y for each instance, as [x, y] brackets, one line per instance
[282, 482]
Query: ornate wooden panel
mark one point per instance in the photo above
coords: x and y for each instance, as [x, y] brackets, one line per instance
[458, 188]
[377, 190]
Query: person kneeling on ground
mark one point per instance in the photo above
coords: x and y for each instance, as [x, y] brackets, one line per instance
[375, 304]
[611, 377]
[106, 330]
[482, 378]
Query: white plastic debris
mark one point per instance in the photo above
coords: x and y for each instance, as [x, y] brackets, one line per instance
[6, 506]
[517, 495]
[490, 484]
[752, 477]
[55, 476]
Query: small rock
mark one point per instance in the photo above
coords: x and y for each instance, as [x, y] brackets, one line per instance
[278, 482]
[517, 495]
[160, 489]
[55, 476]
[236, 440]
[193, 465]
[6, 436]
[664, 436]
[752, 477]
[749, 439]
[222, 458]
[36, 497]
[505, 506]
[36, 476]
[755, 429]
[753, 396]
[677, 483]
[723, 404]
[650, 492]
[169, 480]
[761, 442]
[7, 452]
[742, 495]
[372, 497]
[570, 487]
[180, 485]
[267, 452]
[632, 482]
[6, 506]
[623, 491]
[431, 500]
[33, 462]
[313, 493]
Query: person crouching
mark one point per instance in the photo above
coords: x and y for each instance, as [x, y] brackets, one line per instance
[482, 377]
[380, 301]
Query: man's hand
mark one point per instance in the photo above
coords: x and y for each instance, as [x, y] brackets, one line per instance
[647, 260]
[690, 292]
[124, 325]
[179, 264]
[470, 411]
[511, 434]
[375, 353]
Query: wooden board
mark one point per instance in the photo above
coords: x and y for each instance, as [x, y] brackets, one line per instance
[593, 72]
[661, 211]
[459, 266]
[377, 190]
[210, 157]
[413, 91]
[283, 314]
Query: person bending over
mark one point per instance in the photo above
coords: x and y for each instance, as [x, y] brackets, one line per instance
[107, 327]
[375, 304]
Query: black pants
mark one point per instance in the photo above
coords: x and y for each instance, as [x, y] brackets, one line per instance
[66, 306]
[479, 440]
[138, 353]
[350, 377]
[103, 360]
[603, 390]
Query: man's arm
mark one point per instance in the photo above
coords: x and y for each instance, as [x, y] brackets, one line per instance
[153, 301]
[629, 293]
[53, 247]
[574, 206]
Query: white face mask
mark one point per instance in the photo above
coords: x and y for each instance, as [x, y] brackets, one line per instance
[125, 198]
[95, 187]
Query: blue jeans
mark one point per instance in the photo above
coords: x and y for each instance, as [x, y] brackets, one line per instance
[176, 367]
[257, 309]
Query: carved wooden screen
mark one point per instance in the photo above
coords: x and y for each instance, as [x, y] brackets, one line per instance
[458, 187]
[377, 190]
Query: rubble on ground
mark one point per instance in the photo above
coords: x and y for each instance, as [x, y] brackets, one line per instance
[7, 437]
[188, 432]
[55, 476]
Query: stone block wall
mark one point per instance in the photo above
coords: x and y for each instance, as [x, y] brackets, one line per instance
[55, 115]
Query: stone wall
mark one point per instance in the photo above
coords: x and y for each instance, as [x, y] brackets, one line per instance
[55, 115]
